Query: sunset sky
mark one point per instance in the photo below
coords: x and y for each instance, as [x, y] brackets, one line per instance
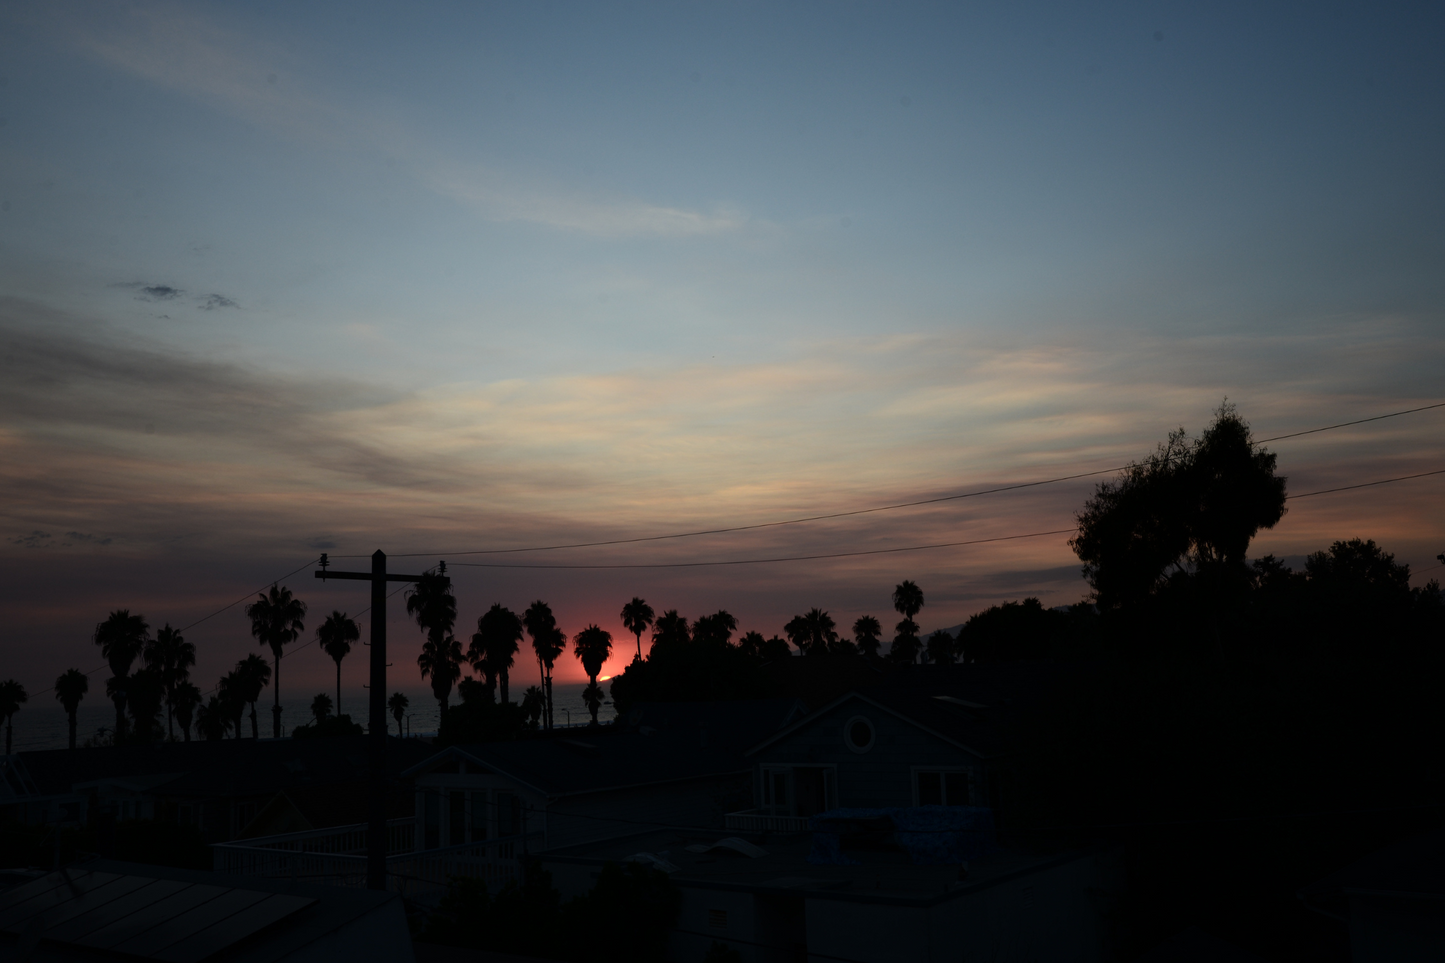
[279, 279]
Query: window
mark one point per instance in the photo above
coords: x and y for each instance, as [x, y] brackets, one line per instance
[432, 819]
[941, 787]
[858, 734]
[799, 790]
[717, 919]
[457, 813]
[479, 817]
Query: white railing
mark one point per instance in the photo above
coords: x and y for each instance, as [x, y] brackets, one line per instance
[758, 821]
[337, 857]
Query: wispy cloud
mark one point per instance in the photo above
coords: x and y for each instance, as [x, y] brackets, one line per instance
[213, 301]
[267, 85]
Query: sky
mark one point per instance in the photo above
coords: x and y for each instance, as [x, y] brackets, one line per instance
[440, 279]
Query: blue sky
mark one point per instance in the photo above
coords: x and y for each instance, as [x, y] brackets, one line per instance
[277, 279]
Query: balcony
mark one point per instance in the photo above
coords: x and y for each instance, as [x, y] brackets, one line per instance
[761, 821]
[337, 857]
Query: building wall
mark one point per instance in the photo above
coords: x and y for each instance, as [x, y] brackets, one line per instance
[881, 776]
[700, 803]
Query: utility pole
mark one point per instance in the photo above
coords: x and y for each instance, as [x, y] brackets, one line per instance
[376, 734]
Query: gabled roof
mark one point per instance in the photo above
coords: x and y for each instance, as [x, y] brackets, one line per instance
[688, 741]
[966, 705]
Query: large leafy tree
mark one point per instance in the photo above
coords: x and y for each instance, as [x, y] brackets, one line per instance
[498, 637]
[277, 620]
[70, 688]
[122, 638]
[185, 701]
[252, 674]
[1192, 507]
[441, 662]
[12, 697]
[593, 645]
[908, 602]
[170, 655]
[637, 615]
[336, 635]
[548, 642]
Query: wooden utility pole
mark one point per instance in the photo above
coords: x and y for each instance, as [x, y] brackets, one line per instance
[376, 734]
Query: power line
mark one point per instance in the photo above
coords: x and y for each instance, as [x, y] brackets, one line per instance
[880, 508]
[1382, 481]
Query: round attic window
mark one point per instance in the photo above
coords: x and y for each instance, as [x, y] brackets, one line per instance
[858, 734]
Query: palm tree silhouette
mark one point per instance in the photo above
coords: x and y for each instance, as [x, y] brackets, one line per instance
[321, 707]
[548, 641]
[799, 633]
[670, 629]
[211, 719]
[230, 700]
[70, 688]
[593, 645]
[276, 621]
[718, 627]
[121, 638]
[499, 635]
[442, 663]
[173, 657]
[821, 637]
[253, 673]
[908, 601]
[940, 648]
[145, 694]
[336, 635]
[533, 703]
[866, 632]
[185, 701]
[12, 697]
[397, 704]
[636, 617]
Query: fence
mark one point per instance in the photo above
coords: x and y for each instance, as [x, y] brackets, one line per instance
[337, 856]
[759, 821]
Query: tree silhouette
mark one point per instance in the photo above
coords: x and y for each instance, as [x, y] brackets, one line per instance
[12, 697]
[752, 644]
[940, 648]
[276, 621]
[336, 635]
[321, 707]
[636, 617]
[431, 603]
[499, 635]
[798, 633]
[121, 638]
[252, 674]
[866, 633]
[212, 719]
[908, 602]
[184, 701]
[533, 702]
[145, 693]
[70, 688]
[670, 629]
[230, 700]
[548, 642]
[441, 662]
[593, 645]
[173, 657]
[397, 704]
[821, 637]
[717, 628]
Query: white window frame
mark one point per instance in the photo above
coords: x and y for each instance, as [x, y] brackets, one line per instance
[830, 785]
[848, 734]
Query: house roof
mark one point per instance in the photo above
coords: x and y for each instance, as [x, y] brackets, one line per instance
[666, 742]
[227, 767]
[968, 705]
[101, 908]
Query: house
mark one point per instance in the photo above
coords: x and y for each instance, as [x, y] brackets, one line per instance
[1392, 901]
[665, 764]
[104, 910]
[925, 735]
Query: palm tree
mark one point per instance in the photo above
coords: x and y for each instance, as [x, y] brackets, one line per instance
[145, 694]
[276, 620]
[799, 633]
[940, 648]
[433, 606]
[184, 701]
[253, 673]
[397, 704]
[593, 645]
[336, 635]
[121, 638]
[230, 700]
[670, 629]
[908, 601]
[533, 702]
[499, 635]
[717, 628]
[821, 637]
[866, 632]
[752, 644]
[321, 707]
[548, 641]
[211, 719]
[442, 663]
[12, 697]
[636, 617]
[70, 688]
[173, 657]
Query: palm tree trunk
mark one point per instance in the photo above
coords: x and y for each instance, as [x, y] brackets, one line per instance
[276, 707]
[639, 645]
[338, 687]
[9, 730]
[503, 681]
[255, 730]
[72, 728]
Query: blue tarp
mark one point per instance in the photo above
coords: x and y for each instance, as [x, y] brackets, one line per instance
[931, 835]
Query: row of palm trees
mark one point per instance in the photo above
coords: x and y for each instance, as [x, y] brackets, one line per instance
[277, 619]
